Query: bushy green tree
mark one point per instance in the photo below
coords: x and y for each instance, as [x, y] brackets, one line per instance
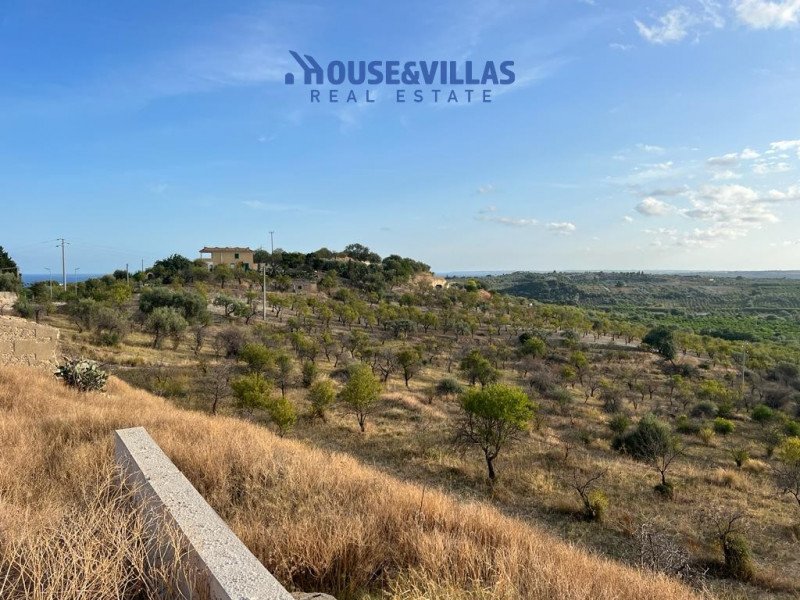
[252, 392]
[653, 442]
[410, 362]
[361, 393]
[7, 265]
[476, 368]
[164, 323]
[258, 357]
[282, 413]
[662, 340]
[787, 473]
[321, 395]
[494, 417]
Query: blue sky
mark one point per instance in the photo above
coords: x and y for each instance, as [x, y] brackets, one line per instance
[636, 136]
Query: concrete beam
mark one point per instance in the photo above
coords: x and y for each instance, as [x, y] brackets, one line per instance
[233, 573]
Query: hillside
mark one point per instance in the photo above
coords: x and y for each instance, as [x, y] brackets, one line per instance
[318, 520]
[761, 308]
[585, 384]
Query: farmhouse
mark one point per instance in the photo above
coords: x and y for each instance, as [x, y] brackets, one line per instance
[228, 256]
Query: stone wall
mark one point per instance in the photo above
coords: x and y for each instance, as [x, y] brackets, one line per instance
[7, 301]
[24, 342]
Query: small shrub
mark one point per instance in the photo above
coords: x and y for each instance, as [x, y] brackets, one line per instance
[283, 415]
[666, 489]
[723, 426]
[596, 505]
[321, 394]
[448, 387]
[792, 428]
[706, 435]
[755, 466]
[704, 409]
[738, 559]
[619, 424]
[84, 375]
[309, 373]
[649, 436]
[740, 456]
[728, 478]
[762, 414]
[685, 425]
[725, 409]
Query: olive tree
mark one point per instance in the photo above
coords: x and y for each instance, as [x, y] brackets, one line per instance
[165, 322]
[493, 417]
[361, 393]
[653, 442]
[787, 473]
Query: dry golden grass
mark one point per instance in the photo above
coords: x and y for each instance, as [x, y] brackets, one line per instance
[318, 520]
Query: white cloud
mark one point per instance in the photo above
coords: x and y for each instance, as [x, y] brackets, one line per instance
[653, 207]
[679, 22]
[726, 174]
[790, 195]
[620, 47]
[765, 168]
[563, 228]
[786, 145]
[734, 205]
[485, 189]
[650, 148]
[509, 221]
[766, 14]
[671, 27]
[748, 154]
[627, 219]
[723, 161]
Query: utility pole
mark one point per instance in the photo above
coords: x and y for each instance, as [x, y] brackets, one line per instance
[127, 276]
[272, 251]
[63, 262]
[264, 292]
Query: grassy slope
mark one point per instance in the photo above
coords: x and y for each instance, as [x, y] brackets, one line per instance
[411, 440]
[317, 520]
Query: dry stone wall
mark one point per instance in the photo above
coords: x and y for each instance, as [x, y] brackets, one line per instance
[24, 342]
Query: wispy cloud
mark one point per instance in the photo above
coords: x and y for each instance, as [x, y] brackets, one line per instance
[653, 207]
[510, 221]
[562, 227]
[488, 214]
[766, 14]
[681, 21]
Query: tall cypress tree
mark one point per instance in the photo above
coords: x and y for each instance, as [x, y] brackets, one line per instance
[7, 264]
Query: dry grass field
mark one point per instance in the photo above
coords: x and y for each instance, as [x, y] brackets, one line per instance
[318, 520]
[409, 439]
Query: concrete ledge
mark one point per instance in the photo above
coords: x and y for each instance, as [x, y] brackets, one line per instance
[233, 573]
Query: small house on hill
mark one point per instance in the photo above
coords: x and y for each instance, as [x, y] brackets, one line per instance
[307, 286]
[228, 256]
